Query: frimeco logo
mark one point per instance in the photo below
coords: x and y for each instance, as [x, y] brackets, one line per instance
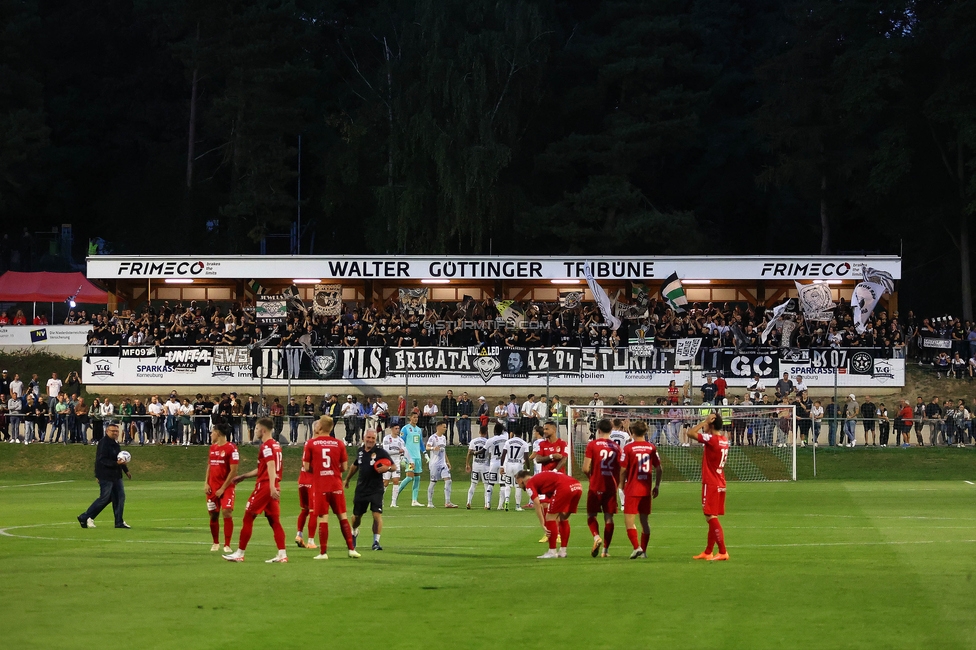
[807, 269]
[176, 268]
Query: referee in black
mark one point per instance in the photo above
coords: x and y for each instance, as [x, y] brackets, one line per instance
[108, 473]
[369, 487]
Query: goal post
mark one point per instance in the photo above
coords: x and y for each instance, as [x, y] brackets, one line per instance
[763, 438]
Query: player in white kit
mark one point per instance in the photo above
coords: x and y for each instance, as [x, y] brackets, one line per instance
[478, 464]
[496, 444]
[538, 437]
[513, 462]
[440, 466]
[619, 435]
[394, 446]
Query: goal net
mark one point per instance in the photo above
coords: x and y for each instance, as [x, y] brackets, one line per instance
[763, 438]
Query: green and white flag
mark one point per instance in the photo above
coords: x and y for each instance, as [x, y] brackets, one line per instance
[674, 293]
[255, 287]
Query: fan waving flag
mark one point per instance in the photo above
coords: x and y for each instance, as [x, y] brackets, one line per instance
[602, 299]
[674, 293]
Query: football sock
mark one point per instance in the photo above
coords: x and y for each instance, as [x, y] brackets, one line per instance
[323, 536]
[312, 518]
[302, 517]
[246, 529]
[279, 532]
[396, 492]
[564, 533]
[632, 536]
[474, 486]
[228, 530]
[593, 526]
[518, 497]
[447, 491]
[376, 538]
[403, 485]
[347, 533]
[430, 492]
[215, 528]
[711, 536]
[607, 534]
[718, 534]
[553, 528]
[489, 488]
[645, 538]
[416, 488]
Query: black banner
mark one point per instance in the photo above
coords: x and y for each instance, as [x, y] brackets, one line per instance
[747, 364]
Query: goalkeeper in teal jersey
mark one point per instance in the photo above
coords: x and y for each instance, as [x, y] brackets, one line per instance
[413, 442]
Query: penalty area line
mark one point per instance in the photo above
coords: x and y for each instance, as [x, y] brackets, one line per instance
[970, 482]
[34, 484]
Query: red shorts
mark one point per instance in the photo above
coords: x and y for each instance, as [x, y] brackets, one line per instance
[304, 496]
[261, 501]
[713, 500]
[637, 505]
[322, 501]
[566, 501]
[225, 502]
[605, 502]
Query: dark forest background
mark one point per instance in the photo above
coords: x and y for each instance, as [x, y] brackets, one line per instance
[469, 126]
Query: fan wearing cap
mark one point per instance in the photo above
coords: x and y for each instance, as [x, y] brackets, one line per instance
[440, 465]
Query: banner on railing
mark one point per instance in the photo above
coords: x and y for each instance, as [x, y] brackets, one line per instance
[477, 366]
[45, 335]
[934, 343]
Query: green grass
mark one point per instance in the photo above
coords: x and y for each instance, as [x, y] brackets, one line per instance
[825, 563]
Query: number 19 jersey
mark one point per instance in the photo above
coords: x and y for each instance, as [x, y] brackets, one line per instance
[639, 458]
[604, 455]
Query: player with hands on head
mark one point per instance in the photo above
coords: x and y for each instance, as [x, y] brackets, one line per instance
[636, 461]
[564, 495]
[266, 497]
[219, 482]
[709, 433]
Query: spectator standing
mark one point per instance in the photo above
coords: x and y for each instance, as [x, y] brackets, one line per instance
[72, 385]
[157, 416]
[557, 412]
[17, 386]
[673, 395]
[430, 416]
[869, 413]
[884, 425]
[756, 389]
[529, 416]
[720, 388]
[277, 417]
[172, 411]
[816, 419]
[708, 391]
[53, 390]
[401, 410]
[59, 429]
[933, 415]
[349, 413]
[918, 420]
[308, 415]
[15, 413]
[465, 409]
[4, 383]
[501, 414]
[449, 412]
[851, 411]
[34, 387]
[139, 413]
[95, 417]
[512, 414]
[293, 411]
[784, 386]
[251, 416]
[81, 421]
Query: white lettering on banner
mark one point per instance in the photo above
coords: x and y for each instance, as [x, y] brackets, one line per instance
[487, 268]
[45, 335]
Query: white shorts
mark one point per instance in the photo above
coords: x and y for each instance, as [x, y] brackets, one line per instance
[479, 473]
[536, 468]
[439, 473]
[511, 469]
[493, 473]
[395, 472]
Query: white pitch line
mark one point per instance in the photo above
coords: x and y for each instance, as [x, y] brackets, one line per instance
[33, 484]
[970, 482]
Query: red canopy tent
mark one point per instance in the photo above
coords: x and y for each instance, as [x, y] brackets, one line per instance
[49, 287]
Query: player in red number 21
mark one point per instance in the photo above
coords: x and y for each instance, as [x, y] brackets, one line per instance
[714, 455]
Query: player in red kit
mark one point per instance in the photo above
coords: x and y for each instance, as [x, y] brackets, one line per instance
[552, 456]
[716, 452]
[565, 493]
[305, 501]
[326, 459]
[266, 495]
[601, 464]
[221, 471]
[636, 462]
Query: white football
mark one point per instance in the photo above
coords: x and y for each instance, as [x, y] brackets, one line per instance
[125, 456]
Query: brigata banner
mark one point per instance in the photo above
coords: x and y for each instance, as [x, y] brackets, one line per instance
[381, 369]
[45, 335]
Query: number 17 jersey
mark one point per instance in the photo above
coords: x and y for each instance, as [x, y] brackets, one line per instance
[715, 454]
[604, 455]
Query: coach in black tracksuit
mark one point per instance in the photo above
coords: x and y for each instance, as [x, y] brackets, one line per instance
[108, 472]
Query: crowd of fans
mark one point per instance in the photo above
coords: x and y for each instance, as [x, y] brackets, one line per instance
[536, 324]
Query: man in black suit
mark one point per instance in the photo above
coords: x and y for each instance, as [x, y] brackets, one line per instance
[108, 472]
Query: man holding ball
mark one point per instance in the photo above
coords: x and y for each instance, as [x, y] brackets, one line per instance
[108, 472]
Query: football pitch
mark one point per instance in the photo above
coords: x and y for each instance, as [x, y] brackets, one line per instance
[852, 564]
